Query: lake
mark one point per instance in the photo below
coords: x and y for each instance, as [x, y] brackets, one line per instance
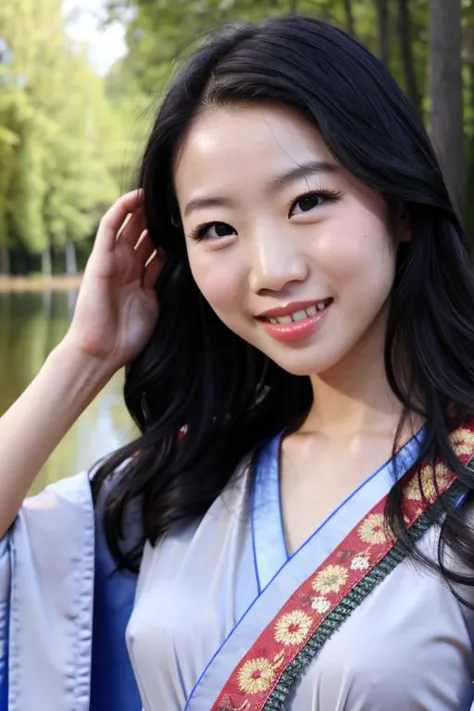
[31, 324]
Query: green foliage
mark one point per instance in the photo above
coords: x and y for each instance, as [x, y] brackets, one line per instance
[69, 140]
[61, 142]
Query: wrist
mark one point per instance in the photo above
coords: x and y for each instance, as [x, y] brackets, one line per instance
[86, 371]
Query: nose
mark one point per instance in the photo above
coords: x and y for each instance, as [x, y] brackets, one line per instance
[275, 262]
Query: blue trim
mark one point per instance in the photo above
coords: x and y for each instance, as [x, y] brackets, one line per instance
[408, 453]
[269, 541]
[224, 641]
[4, 635]
[254, 549]
[461, 500]
[266, 496]
[280, 502]
[398, 474]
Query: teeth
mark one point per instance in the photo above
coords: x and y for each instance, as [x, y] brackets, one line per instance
[301, 315]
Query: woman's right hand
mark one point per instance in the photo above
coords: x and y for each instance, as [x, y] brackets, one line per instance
[117, 307]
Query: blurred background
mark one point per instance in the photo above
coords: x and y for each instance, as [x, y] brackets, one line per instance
[80, 81]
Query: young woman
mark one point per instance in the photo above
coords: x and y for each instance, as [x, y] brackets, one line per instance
[292, 529]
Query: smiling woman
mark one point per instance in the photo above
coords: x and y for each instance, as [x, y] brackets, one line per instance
[290, 230]
[293, 298]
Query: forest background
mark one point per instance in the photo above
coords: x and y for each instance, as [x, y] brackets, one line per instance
[70, 140]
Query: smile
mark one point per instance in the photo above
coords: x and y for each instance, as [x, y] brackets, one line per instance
[290, 326]
[301, 314]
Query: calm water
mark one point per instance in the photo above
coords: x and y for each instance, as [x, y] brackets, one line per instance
[31, 324]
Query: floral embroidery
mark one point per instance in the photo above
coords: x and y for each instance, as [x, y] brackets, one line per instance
[320, 604]
[429, 488]
[360, 562]
[344, 554]
[268, 671]
[462, 441]
[330, 579]
[372, 529]
[293, 628]
[227, 705]
[256, 676]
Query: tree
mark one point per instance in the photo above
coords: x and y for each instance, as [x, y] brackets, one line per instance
[406, 45]
[383, 17]
[61, 144]
[447, 120]
[350, 21]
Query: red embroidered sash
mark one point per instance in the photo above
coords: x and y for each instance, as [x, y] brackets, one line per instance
[256, 682]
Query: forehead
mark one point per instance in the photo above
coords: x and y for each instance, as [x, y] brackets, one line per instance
[244, 144]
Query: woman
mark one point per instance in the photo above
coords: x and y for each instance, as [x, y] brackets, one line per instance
[291, 528]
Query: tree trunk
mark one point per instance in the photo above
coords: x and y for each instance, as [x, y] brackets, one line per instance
[383, 19]
[350, 22]
[70, 256]
[293, 7]
[5, 266]
[447, 127]
[46, 263]
[469, 53]
[404, 34]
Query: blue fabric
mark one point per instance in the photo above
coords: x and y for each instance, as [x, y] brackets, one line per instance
[4, 625]
[110, 675]
[113, 685]
[4, 659]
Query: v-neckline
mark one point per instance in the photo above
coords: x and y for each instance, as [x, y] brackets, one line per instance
[268, 533]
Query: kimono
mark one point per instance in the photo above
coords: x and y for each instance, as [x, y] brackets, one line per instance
[221, 617]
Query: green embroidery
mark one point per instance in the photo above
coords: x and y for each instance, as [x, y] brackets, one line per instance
[333, 621]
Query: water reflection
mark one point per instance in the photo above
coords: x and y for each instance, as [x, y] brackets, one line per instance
[31, 324]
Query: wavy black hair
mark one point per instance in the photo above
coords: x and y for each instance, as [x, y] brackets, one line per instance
[196, 373]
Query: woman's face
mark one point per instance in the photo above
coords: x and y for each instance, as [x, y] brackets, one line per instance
[290, 250]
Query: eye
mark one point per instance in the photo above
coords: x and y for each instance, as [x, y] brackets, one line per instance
[308, 201]
[212, 230]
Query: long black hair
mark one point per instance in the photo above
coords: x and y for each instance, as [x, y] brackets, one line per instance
[195, 373]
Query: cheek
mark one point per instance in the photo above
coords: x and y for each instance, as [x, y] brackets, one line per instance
[363, 255]
[217, 279]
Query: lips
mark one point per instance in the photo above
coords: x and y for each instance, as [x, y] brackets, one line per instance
[297, 322]
[294, 312]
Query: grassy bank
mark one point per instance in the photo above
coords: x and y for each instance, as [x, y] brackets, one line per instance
[56, 283]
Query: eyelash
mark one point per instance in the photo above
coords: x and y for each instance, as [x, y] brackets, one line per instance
[327, 195]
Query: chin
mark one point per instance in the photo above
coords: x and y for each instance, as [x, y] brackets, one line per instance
[305, 366]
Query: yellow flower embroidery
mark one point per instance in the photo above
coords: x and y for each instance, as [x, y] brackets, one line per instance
[330, 579]
[360, 562]
[413, 491]
[462, 441]
[372, 529]
[320, 604]
[293, 628]
[256, 676]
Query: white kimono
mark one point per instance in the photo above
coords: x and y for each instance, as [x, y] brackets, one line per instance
[204, 595]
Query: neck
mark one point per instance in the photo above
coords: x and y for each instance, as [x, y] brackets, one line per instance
[354, 397]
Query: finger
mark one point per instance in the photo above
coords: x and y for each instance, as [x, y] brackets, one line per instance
[133, 228]
[144, 248]
[152, 270]
[114, 218]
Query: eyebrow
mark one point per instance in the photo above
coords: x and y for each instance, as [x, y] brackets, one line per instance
[314, 167]
[300, 171]
[202, 202]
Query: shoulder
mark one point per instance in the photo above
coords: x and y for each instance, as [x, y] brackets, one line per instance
[74, 491]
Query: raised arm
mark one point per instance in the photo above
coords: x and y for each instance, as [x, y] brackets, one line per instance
[115, 315]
